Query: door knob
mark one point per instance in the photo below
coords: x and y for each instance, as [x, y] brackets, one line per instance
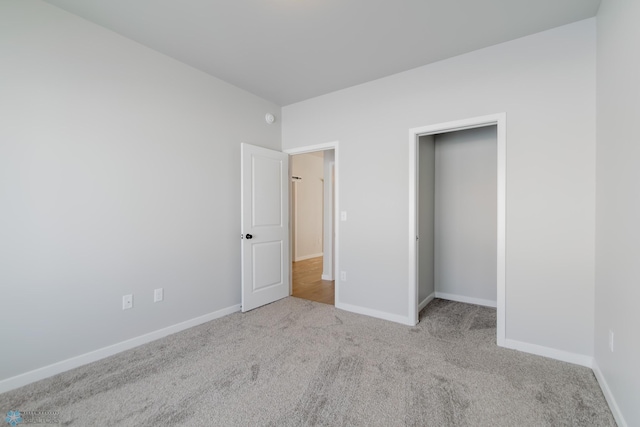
[249, 236]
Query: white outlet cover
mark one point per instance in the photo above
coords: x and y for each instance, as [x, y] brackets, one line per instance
[127, 302]
[158, 295]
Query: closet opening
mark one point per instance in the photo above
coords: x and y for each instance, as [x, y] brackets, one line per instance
[457, 223]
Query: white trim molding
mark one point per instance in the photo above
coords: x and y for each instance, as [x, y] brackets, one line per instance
[426, 301]
[375, 313]
[93, 356]
[613, 405]
[311, 148]
[552, 353]
[500, 121]
[468, 300]
[305, 257]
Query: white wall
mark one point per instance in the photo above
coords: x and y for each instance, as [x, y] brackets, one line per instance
[308, 208]
[119, 173]
[546, 85]
[426, 219]
[618, 206]
[466, 197]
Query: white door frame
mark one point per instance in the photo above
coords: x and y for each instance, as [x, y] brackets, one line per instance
[336, 224]
[500, 121]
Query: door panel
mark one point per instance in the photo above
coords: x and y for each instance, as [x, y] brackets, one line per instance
[267, 202]
[265, 226]
[267, 268]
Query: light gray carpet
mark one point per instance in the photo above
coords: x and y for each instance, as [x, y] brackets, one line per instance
[298, 363]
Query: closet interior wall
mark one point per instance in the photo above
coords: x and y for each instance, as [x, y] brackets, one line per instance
[457, 216]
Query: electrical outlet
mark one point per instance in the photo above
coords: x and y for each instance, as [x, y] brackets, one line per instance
[158, 295]
[343, 216]
[127, 302]
[343, 276]
[611, 340]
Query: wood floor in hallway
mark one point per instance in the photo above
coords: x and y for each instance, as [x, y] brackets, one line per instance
[308, 283]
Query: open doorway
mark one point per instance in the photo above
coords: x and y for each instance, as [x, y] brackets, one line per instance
[426, 136]
[312, 225]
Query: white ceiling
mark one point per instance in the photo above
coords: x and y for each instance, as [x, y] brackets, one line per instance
[291, 50]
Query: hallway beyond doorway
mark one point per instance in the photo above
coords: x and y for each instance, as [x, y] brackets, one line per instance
[308, 283]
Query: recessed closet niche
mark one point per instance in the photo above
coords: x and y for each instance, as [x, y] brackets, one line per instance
[457, 216]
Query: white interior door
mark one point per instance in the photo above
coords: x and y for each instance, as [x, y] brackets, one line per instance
[265, 226]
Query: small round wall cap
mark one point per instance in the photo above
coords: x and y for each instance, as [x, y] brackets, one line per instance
[269, 118]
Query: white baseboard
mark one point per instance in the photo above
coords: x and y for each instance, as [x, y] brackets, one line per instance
[327, 277]
[552, 353]
[375, 313]
[468, 300]
[302, 258]
[92, 356]
[613, 405]
[426, 301]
